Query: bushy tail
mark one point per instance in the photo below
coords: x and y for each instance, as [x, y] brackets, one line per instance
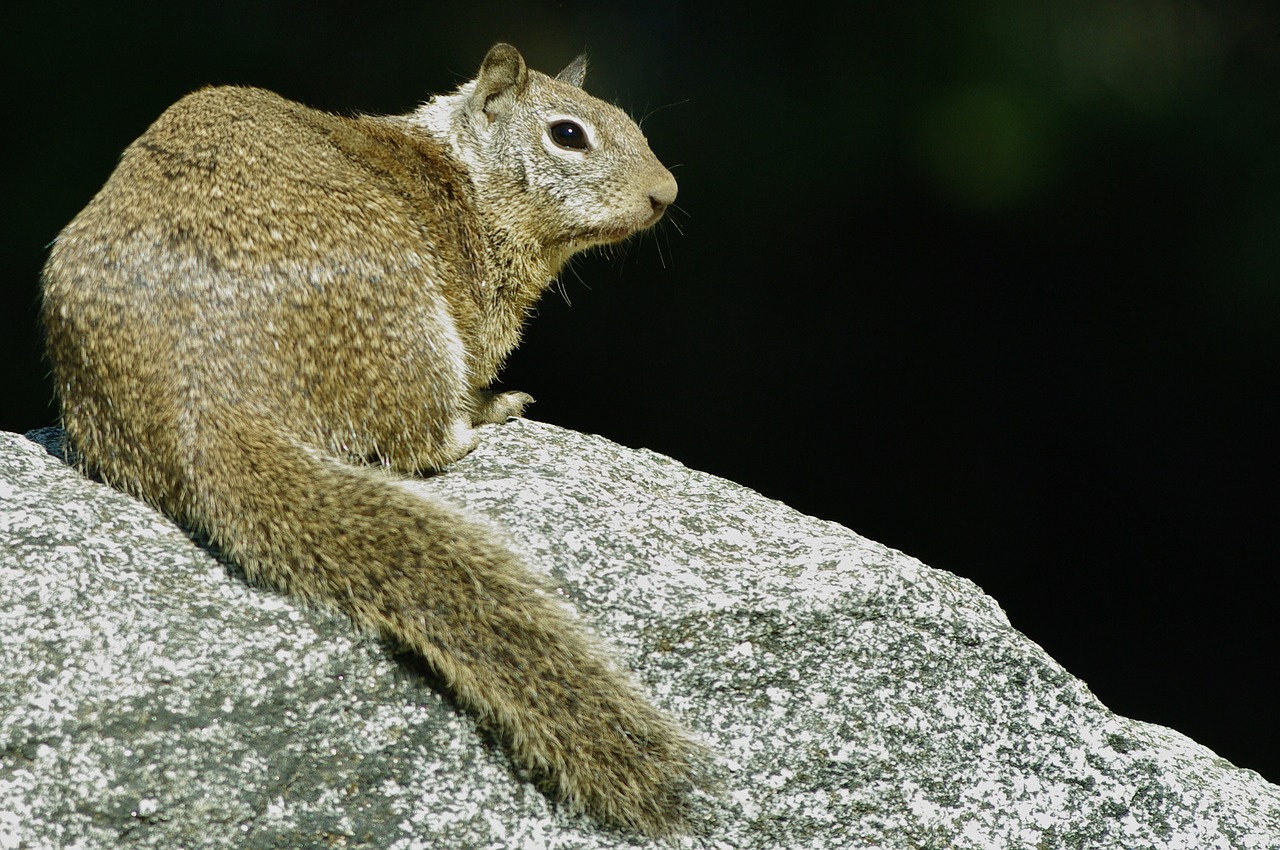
[350, 538]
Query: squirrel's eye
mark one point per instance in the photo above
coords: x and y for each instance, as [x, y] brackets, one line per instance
[568, 134]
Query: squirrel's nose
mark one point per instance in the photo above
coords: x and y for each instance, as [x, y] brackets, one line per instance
[662, 194]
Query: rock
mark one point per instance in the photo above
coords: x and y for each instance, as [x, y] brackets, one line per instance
[856, 697]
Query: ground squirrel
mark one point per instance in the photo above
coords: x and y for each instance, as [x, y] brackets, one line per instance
[266, 303]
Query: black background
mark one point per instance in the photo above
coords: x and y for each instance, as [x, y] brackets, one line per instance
[995, 283]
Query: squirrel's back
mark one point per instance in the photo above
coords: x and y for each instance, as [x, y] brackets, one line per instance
[298, 262]
[263, 297]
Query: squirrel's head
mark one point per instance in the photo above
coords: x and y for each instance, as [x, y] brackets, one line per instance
[550, 159]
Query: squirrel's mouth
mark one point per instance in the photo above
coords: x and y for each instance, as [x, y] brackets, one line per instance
[618, 232]
[614, 233]
[654, 217]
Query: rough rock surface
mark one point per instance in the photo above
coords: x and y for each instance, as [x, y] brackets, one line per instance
[856, 697]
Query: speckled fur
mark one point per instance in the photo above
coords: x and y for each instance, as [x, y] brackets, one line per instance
[265, 298]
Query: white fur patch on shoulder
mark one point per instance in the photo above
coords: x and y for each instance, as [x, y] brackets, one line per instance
[436, 115]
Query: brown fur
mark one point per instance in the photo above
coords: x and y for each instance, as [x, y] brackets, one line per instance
[264, 297]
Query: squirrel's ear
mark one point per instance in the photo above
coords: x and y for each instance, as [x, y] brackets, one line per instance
[502, 78]
[575, 73]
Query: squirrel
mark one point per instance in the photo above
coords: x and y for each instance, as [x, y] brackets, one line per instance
[269, 314]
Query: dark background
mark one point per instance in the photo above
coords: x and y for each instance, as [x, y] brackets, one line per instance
[995, 283]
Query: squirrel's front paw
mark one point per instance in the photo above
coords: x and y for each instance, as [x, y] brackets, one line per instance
[494, 408]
